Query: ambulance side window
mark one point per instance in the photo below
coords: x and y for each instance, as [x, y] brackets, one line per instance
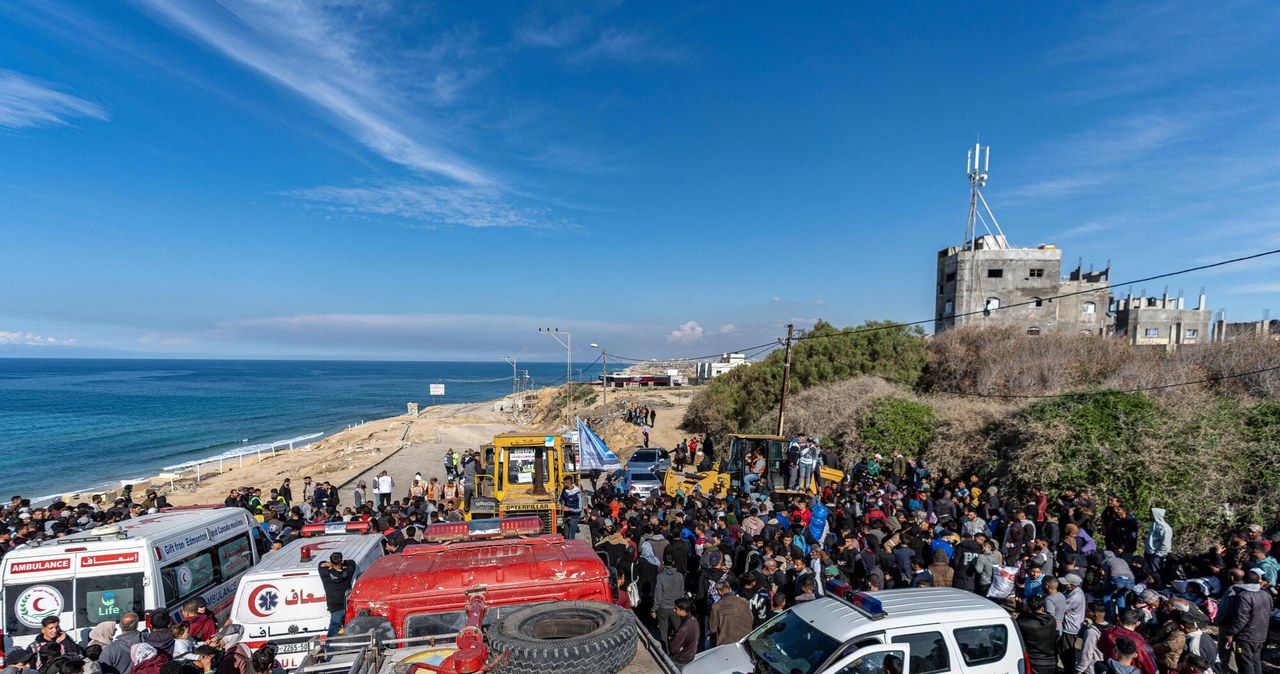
[185, 578]
[260, 542]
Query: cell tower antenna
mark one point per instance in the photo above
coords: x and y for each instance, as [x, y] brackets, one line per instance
[977, 166]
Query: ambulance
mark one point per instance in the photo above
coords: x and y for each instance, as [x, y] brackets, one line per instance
[282, 600]
[155, 561]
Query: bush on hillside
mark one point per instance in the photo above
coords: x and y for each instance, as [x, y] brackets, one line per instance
[998, 361]
[893, 423]
[735, 401]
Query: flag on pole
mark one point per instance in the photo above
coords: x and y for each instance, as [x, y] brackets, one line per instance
[593, 454]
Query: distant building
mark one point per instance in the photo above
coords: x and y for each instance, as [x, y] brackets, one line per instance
[1162, 321]
[708, 370]
[986, 282]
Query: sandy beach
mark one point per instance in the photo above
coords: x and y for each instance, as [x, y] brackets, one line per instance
[405, 444]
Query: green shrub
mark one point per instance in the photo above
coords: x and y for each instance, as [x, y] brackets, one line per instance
[896, 423]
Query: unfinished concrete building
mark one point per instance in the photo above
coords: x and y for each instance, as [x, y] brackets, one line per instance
[987, 282]
[1162, 321]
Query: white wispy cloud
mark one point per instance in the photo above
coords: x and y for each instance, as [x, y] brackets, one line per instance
[8, 338]
[470, 206]
[310, 51]
[632, 47]
[26, 102]
[562, 32]
[688, 333]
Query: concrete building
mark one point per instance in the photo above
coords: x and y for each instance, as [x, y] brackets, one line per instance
[986, 282]
[1162, 321]
[1224, 331]
[708, 370]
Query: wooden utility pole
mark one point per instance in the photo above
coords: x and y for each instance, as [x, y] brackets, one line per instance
[786, 380]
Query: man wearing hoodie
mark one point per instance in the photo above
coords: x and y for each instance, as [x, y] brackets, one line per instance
[571, 501]
[941, 569]
[1243, 620]
[1121, 662]
[1159, 541]
[115, 659]
[667, 588]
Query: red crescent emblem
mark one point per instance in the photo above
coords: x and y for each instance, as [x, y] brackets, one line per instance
[263, 600]
[35, 605]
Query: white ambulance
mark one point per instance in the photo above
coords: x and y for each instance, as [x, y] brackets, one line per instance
[282, 600]
[153, 561]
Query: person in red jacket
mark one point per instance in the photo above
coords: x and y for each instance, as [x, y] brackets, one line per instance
[1129, 619]
[202, 625]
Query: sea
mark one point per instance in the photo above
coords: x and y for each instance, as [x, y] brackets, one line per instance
[72, 424]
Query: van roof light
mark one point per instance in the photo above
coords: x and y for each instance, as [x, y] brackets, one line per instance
[444, 532]
[335, 528]
[868, 605]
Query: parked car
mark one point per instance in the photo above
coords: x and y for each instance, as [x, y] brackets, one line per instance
[644, 483]
[912, 631]
[650, 459]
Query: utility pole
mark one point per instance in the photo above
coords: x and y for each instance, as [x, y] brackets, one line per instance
[515, 376]
[604, 379]
[567, 343]
[786, 380]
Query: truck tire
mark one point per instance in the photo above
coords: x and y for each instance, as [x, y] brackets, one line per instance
[565, 637]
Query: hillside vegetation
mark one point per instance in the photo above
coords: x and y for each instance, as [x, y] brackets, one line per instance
[1052, 411]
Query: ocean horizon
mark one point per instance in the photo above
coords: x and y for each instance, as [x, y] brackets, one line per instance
[72, 424]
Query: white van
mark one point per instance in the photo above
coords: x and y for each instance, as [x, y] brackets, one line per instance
[148, 562]
[912, 631]
[282, 599]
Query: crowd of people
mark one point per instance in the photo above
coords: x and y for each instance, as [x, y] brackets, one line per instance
[1093, 594]
[702, 570]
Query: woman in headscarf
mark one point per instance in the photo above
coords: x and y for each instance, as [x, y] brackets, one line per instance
[146, 659]
[103, 633]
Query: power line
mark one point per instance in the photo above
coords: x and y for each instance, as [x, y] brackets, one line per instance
[895, 325]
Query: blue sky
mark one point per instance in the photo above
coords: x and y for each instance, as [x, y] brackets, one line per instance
[437, 180]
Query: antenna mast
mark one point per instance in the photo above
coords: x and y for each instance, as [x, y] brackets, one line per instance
[978, 164]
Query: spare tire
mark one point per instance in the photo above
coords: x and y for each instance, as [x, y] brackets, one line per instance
[566, 637]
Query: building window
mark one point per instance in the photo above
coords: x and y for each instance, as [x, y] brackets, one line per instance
[1088, 308]
[1192, 333]
[1037, 302]
[947, 308]
[951, 277]
[995, 273]
[1033, 330]
[993, 303]
[1036, 273]
[1151, 332]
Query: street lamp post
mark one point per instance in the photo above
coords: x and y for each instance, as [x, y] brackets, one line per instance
[604, 380]
[568, 364]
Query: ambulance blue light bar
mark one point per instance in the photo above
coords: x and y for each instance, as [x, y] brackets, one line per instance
[868, 605]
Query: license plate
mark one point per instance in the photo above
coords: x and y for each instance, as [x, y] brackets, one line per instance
[295, 647]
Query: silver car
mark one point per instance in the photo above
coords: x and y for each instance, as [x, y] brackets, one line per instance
[651, 459]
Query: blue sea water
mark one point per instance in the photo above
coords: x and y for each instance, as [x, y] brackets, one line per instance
[67, 424]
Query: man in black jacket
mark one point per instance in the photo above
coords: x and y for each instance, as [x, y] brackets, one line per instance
[336, 575]
[1246, 614]
[1039, 636]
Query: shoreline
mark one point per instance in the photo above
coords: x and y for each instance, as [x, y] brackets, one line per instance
[359, 451]
[178, 480]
